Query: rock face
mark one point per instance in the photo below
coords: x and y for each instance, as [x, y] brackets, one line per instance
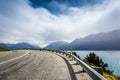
[100, 41]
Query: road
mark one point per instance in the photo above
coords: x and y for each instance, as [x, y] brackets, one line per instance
[7, 55]
[35, 66]
[38, 65]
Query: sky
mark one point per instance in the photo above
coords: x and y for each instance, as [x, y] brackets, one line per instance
[41, 22]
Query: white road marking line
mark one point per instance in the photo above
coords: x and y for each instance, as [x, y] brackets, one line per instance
[14, 58]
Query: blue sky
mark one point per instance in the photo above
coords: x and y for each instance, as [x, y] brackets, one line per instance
[53, 5]
[41, 22]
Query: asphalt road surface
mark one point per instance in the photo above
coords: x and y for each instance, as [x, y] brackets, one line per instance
[36, 65]
[39, 65]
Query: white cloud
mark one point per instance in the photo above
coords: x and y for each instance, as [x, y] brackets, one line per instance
[19, 22]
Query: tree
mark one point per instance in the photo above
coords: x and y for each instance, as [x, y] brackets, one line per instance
[94, 59]
[75, 54]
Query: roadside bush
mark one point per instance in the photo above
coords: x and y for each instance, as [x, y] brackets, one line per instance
[94, 59]
[75, 54]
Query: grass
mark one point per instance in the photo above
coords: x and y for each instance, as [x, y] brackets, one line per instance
[109, 76]
[3, 49]
[93, 60]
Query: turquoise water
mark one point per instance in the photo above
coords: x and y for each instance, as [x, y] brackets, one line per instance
[112, 58]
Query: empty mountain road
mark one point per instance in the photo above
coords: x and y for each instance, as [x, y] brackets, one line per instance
[34, 65]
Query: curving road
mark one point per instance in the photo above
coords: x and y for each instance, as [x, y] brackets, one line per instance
[34, 66]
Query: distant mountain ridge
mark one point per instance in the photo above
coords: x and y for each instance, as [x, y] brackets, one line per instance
[17, 46]
[100, 41]
[57, 45]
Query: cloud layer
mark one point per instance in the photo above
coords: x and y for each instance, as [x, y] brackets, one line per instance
[20, 22]
[60, 6]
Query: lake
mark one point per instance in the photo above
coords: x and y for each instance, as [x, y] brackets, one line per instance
[112, 58]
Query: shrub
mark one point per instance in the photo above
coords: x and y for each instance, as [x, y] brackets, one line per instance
[94, 59]
[75, 54]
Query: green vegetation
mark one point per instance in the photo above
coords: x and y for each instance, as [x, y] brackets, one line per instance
[3, 49]
[75, 54]
[93, 60]
[110, 76]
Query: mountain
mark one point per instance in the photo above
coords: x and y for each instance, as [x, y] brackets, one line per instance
[100, 41]
[57, 45]
[17, 46]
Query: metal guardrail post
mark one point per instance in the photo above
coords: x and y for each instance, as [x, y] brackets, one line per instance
[91, 72]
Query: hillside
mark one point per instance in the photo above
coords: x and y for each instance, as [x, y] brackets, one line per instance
[100, 41]
[3, 49]
[57, 45]
[18, 46]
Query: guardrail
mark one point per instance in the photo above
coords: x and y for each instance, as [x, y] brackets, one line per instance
[91, 72]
